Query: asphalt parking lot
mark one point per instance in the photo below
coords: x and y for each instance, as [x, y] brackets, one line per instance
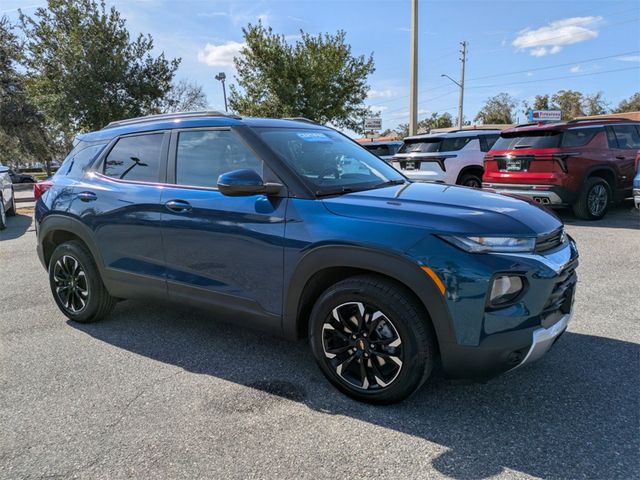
[166, 392]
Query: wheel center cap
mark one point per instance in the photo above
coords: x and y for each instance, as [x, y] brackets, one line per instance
[361, 344]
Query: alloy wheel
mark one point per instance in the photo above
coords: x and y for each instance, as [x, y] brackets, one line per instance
[597, 200]
[362, 346]
[71, 285]
[472, 182]
[3, 213]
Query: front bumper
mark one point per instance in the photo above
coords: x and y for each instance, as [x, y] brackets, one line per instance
[544, 338]
[543, 194]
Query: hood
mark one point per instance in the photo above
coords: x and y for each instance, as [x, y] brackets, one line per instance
[447, 209]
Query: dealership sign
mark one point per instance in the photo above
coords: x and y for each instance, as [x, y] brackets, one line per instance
[373, 123]
[545, 115]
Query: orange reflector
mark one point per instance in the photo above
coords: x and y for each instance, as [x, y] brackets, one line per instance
[435, 279]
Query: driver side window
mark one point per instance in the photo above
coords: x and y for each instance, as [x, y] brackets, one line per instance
[203, 155]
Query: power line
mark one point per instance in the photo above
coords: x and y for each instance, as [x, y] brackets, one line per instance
[556, 78]
[588, 60]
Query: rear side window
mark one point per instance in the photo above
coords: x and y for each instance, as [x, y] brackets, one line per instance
[204, 155]
[578, 137]
[627, 136]
[535, 139]
[80, 158]
[135, 158]
[487, 141]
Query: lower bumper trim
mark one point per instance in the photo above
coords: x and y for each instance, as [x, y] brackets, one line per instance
[543, 338]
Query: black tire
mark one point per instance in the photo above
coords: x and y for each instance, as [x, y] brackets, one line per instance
[3, 215]
[470, 180]
[11, 212]
[401, 334]
[585, 206]
[73, 260]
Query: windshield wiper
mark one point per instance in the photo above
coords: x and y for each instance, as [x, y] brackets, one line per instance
[334, 191]
[350, 189]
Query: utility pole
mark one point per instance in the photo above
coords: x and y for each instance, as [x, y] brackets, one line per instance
[413, 86]
[463, 60]
[222, 77]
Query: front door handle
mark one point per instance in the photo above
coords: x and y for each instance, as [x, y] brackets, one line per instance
[87, 196]
[178, 206]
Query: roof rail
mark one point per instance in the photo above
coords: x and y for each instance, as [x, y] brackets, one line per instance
[300, 119]
[470, 129]
[530, 124]
[169, 116]
[602, 119]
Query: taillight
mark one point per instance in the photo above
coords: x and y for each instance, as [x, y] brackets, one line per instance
[41, 187]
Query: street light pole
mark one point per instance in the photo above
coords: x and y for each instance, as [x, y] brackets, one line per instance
[463, 60]
[413, 86]
[222, 77]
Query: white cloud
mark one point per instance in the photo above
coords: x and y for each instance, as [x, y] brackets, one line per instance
[629, 58]
[388, 93]
[576, 69]
[378, 108]
[550, 39]
[219, 55]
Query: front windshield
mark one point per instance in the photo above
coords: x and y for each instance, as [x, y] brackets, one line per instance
[329, 162]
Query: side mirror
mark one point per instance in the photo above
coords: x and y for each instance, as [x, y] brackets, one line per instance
[244, 183]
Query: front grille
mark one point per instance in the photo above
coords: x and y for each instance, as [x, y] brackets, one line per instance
[525, 160]
[550, 240]
[561, 298]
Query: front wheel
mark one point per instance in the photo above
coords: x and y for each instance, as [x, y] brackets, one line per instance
[371, 339]
[76, 284]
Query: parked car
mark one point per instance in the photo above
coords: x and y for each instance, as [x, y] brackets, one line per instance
[636, 183]
[20, 177]
[7, 199]
[454, 157]
[384, 150]
[255, 219]
[585, 164]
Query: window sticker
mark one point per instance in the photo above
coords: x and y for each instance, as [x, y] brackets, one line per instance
[313, 137]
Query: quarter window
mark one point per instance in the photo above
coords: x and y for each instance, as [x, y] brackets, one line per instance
[135, 158]
[627, 136]
[578, 137]
[204, 155]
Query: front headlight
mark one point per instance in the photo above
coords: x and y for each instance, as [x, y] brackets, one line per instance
[491, 244]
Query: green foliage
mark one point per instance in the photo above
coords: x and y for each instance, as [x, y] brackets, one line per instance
[632, 104]
[498, 109]
[570, 102]
[184, 97]
[425, 125]
[84, 70]
[22, 133]
[316, 77]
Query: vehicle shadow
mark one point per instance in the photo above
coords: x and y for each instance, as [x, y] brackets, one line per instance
[16, 227]
[621, 215]
[572, 414]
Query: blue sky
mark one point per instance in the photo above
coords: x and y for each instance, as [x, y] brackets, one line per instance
[523, 48]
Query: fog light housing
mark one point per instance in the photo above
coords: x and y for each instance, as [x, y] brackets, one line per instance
[505, 289]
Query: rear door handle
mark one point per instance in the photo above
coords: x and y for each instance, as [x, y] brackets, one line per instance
[178, 206]
[87, 196]
[620, 157]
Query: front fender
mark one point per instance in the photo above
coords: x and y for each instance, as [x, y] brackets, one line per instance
[398, 267]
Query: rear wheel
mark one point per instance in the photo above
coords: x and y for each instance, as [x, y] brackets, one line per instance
[76, 284]
[594, 200]
[470, 180]
[3, 215]
[12, 206]
[371, 339]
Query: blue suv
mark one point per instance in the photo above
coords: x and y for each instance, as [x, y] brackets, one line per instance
[292, 227]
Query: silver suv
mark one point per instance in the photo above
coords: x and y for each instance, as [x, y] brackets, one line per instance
[7, 200]
[454, 157]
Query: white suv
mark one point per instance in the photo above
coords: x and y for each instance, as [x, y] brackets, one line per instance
[7, 200]
[454, 157]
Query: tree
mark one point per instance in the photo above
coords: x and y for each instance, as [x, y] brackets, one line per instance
[540, 102]
[594, 104]
[570, 102]
[22, 133]
[497, 110]
[84, 70]
[183, 97]
[632, 104]
[317, 77]
[435, 121]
